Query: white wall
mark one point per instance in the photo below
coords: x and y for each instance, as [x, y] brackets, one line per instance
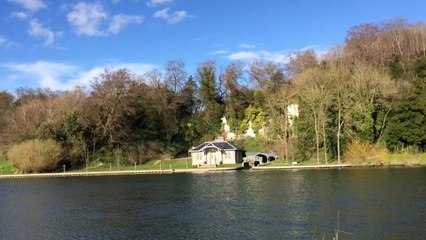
[220, 156]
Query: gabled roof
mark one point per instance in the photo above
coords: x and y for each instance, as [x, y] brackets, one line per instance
[224, 145]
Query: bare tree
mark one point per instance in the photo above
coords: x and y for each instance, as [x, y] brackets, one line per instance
[110, 97]
[301, 61]
[268, 76]
[175, 74]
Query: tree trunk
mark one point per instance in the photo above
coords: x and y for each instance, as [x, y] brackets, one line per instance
[286, 137]
[339, 126]
[325, 142]
[316, 135]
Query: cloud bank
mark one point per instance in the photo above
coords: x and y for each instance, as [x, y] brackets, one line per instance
[64, 76]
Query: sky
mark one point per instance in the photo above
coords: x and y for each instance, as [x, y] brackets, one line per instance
[62, 44]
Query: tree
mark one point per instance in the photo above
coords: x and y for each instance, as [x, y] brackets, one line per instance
[175, 74]
[236, 94]
[267, 76]
[313, 88]
[6, 105]
[370, 87]
[212, 101]
[407, 123]
[279, 114]
[109, 100]
[301, 61]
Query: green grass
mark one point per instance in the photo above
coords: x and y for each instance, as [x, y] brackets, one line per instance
[406, 158]
[252, 144]
[229, 165]
[281, 162]
[182, 163]
[6, 166]
[392, 159]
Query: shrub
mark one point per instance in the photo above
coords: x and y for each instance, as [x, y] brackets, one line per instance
[361, 152]
[34, 156]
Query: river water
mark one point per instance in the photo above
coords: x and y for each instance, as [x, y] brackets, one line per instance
[372, 204]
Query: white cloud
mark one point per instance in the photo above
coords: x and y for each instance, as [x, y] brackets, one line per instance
[37, 30]
[311, 47]
[219, 52]
[20, 15]
[273, 56]
[115, 1]
[121, 20]
[32, 5]
[276, 57]
[153, 3]
[319, 50]
[171, 18]
[87, 18]
[246, 45]
[46, 74]
[4, 41]
[243, 56]
[63, 76]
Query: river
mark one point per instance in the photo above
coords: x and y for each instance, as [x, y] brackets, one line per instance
[379, 203]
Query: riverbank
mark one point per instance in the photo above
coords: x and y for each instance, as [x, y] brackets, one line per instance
[116, 173]
[334, 166]
[198, 170]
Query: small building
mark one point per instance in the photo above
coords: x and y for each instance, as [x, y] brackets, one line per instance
[216, 152]
[258, 158]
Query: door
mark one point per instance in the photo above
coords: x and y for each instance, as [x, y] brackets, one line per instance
[211, 156]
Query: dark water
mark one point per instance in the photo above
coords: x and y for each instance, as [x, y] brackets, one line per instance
[373, 204]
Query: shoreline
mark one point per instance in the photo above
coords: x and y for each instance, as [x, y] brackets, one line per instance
[198, 170]
[116, 173]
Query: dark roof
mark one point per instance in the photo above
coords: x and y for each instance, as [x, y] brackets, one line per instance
[199, 147]
[225, 145]
[261, 153]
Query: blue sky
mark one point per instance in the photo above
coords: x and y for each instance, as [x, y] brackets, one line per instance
[60, 44]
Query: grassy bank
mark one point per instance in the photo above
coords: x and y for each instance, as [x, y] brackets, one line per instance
[391, 159]
[185, 163]
[181, 163]
[6, 166]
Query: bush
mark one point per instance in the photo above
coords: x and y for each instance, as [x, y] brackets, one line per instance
[35, 156]
[362, 152]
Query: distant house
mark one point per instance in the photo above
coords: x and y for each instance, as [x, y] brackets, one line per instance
[215, 153]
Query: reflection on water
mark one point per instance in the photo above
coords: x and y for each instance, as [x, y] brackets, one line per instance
[373, 204]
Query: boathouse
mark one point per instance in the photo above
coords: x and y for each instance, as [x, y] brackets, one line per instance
[216, 152]
[258, 158]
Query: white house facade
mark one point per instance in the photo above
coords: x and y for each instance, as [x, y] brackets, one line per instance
[216, 153]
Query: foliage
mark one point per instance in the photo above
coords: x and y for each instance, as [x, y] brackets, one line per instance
[253, 144]
[6, 166]
[255, 116]
[35, 156]
[407, 124]
[212, 99]
[358, 152]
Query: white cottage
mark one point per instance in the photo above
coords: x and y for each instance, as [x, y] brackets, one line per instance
[215, 153]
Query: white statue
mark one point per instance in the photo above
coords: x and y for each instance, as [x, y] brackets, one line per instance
[250, 131]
